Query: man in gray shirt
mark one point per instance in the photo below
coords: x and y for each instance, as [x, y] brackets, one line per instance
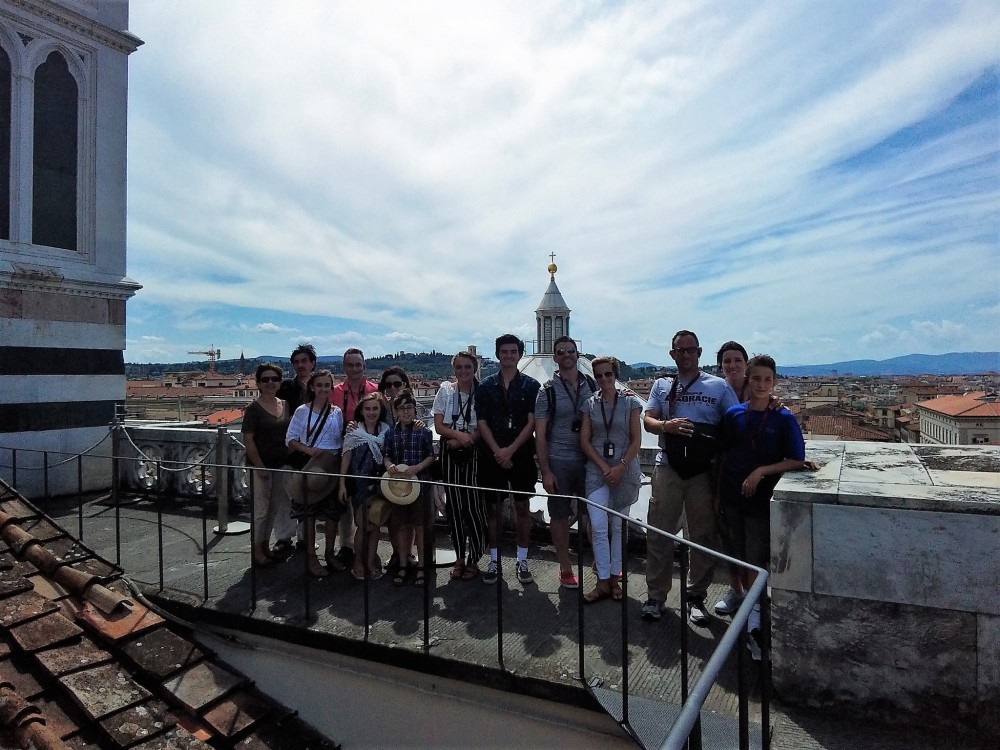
[685, 412]
[557, 445]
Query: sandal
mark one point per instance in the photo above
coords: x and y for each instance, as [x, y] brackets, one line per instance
[400, 578]
[458, 571]
[282, 548]
[374, 574]
[617, 594]
[471, 571]
[358, 574]
[601, 591]
[316, 570]
[418, 579]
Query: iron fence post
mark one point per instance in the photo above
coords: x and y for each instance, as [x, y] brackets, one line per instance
[45, 473]
[204, 532]
[79, 494]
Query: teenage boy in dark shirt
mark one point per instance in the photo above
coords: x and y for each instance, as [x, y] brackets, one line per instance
[761, 444]
[505, 407]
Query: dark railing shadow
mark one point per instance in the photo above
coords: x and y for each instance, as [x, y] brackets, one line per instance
[686, 730]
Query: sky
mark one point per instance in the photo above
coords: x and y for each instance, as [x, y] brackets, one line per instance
[819, 181]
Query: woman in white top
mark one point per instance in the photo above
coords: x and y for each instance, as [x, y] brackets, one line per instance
[315, 430]
[454, 413]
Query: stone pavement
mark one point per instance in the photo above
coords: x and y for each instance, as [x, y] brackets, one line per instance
[540, 622]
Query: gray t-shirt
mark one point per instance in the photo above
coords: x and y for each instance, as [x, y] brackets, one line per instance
[612, 425]
[704, 401]
[563, 443]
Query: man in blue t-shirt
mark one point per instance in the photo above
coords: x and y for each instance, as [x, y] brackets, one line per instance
[685, 411]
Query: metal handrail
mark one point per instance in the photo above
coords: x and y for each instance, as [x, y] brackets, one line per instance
[686, 725]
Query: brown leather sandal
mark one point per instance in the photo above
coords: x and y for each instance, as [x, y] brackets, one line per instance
[601, 591]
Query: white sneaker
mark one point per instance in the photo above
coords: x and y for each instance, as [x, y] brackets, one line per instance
[697, 614]
[729, 603]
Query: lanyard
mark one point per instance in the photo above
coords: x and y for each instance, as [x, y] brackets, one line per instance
[312, 433]
[467, 408]
[674, 395]
[575, 398]
[604, 416]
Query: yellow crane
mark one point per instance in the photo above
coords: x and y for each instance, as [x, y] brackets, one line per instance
[212, 354]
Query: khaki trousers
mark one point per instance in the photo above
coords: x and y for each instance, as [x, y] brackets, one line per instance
[670, 496]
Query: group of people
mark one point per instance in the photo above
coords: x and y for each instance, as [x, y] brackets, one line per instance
[724, 443]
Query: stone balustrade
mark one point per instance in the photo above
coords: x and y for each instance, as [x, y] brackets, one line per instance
[886, 583]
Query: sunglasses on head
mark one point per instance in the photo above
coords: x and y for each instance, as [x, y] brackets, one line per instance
[271, 379]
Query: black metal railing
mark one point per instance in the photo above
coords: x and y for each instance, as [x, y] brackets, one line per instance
[686, 730]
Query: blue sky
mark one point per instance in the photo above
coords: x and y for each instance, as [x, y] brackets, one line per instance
[820, 181]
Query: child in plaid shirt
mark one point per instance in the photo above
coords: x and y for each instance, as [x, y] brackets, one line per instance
[409, 453]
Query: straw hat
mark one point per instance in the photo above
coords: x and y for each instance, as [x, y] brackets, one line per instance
[399, 491]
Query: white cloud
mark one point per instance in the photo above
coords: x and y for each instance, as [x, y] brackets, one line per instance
[398, 165]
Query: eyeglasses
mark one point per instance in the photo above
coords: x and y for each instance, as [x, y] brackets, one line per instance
[394, 384]
[686, 350]
[560, 352]
[405, 407]
[601, 375]
[270, 380]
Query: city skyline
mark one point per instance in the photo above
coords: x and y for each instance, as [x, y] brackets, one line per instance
[818, 182]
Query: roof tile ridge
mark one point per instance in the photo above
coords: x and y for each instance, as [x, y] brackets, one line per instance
[26, 721]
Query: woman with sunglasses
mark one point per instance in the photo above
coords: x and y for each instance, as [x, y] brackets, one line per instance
[265, 422]
[454, 413]
[394, 379]
[610, 436]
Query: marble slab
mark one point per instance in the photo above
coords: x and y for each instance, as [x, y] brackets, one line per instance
[944, 560]
[791, 546]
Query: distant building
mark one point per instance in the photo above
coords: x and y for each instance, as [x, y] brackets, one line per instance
[970, 419]
[63, 288]
[820, 427]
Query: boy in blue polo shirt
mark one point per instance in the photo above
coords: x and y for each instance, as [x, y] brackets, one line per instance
[761, 445]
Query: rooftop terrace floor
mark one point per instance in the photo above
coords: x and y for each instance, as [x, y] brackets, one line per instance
[540, 620]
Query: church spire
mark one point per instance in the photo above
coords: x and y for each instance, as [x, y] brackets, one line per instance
[552, 315]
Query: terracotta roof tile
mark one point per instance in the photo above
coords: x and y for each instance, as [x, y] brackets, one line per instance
[130, 678]
[44, 632]
[139, 723]
[20, 679]
[82, 654]
[125, 622]
[237, 713]
[23, 607]
[103, 690]
[161, 652]
[175, 739]
[57, 717]
[202, 684]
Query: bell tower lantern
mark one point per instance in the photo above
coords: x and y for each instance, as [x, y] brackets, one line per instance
[552, 315]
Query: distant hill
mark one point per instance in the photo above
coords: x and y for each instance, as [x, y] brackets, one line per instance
[953, 363]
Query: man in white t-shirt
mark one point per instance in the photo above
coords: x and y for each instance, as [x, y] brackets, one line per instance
[685, 412]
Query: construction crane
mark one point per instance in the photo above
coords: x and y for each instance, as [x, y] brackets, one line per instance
[212, 354]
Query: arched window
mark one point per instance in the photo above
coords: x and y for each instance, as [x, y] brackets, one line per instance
[53, 212]
[5, 144]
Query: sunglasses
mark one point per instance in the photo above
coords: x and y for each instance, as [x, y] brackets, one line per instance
[560, 352]
[270, 380]
[601, 375]
[394, 384]
[687, 350]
